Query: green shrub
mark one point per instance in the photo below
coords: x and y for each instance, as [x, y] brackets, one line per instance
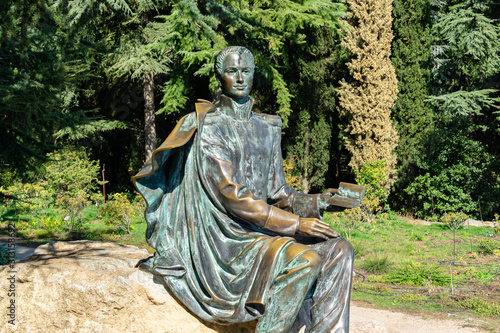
[481, 307]
[71, 171]
[414, 273]
[119, 211]
[72, 206]
[416, 237]
[51, 223]
[485, 276]
[488, 245]
[4, 255]
[360, 249]
[412, 298]
[372, 175]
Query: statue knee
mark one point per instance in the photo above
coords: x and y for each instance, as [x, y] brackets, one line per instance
[312, 260]
[345, 248]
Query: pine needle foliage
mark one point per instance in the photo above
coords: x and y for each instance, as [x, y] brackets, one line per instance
[40, 68]
[367, 97]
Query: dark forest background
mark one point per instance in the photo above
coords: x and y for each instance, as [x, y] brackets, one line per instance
[109, 80]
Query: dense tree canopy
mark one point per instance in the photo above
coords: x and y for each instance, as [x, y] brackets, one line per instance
[351, 84]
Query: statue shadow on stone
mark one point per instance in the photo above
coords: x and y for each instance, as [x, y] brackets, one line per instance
[233, 242]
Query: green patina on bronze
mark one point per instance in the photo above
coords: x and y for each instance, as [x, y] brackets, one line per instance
[233, 242]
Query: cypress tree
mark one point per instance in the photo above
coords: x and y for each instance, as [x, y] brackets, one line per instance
[366, 99]
[411, 59]
[314, 125]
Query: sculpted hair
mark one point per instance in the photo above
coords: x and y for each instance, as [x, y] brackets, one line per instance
[219, 58]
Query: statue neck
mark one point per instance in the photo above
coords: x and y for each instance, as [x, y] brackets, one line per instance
[237, 109]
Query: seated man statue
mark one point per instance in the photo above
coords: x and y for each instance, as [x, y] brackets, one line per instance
[233, 242]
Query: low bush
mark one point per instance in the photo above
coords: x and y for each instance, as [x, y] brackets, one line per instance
[377, 264]
[480, 306]
[414, 273]
[488, 245]
[119, 212]
[4, 255]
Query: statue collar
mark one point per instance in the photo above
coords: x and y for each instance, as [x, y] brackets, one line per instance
[234, 109]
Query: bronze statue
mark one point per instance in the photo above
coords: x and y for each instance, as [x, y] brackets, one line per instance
[234, 243]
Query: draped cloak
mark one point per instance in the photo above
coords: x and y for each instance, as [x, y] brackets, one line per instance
[219, 213]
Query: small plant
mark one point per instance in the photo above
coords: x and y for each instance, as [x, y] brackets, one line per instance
[51, 223]
[377, 264]
[496, 224]
[288, 165]
[72, 207]
[454, 221]
[119, 212]
[348, 221]
[360, 249]
[412, 298]
[481, 307]
[416, 236]
[4, 254]
[485, 276]
[22, 225]
[488, 245]
[372, 175]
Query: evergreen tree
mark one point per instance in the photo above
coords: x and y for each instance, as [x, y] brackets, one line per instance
[40, 67]
[412, 113]
[366, 99]
[411, 59]
[140, 58]
[459, 165]
[314, 125]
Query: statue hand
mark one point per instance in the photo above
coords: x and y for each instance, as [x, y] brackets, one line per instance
[324, 201]
[317, 228]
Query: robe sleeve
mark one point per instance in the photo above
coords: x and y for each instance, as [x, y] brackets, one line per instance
[235, 199]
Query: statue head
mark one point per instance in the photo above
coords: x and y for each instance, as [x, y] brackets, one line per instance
[234, 69]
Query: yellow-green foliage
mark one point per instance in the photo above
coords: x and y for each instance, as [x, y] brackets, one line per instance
[52, 223]
[32, 198]
[288, 165]
[72, 205]
[119, 211]
[488, 245]
[454, 220]
[373, 176]
[366, 99]
[481, 307]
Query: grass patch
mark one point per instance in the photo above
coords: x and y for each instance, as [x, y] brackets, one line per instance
[377, 264]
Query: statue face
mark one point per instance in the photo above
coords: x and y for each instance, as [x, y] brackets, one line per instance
[237, 76]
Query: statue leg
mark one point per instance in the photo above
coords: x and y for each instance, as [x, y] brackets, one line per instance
[331, 297]
[300, 270]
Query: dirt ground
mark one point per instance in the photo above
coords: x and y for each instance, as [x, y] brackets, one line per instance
[383, 321]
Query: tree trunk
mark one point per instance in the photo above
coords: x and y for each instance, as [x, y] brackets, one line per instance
[149, 115]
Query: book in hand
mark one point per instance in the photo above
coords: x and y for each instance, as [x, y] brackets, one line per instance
[347, 196]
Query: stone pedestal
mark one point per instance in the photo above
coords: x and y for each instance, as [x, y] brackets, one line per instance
[86, 286]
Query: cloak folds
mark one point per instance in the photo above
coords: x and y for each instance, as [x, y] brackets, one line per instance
[210, 259]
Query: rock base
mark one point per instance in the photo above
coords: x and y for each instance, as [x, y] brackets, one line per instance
[86, 286]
